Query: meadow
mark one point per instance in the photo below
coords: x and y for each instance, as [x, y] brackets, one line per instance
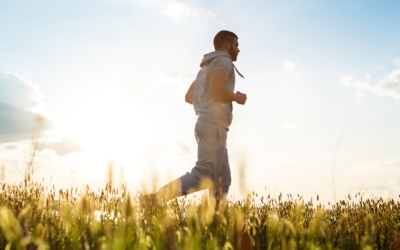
[36, 217]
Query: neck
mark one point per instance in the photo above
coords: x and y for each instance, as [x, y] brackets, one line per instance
[223, 50]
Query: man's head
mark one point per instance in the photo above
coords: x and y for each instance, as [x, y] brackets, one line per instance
[228, 42]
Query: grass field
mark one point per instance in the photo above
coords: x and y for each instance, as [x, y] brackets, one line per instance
[35, 217]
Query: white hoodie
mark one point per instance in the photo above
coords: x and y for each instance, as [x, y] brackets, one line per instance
[205, 105]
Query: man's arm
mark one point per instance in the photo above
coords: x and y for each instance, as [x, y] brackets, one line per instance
[189, 94]
[219, 90]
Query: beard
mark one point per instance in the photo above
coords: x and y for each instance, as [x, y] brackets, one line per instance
[232, 53]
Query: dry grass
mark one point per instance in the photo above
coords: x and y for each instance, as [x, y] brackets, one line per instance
[33, 217]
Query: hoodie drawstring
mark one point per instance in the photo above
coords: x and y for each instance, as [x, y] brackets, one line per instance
[237, 71]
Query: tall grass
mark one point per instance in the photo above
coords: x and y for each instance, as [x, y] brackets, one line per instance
[35, 217]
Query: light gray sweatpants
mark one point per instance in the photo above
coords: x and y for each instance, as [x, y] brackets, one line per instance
[212, 163]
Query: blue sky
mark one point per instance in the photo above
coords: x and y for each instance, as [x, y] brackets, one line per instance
[110, 76]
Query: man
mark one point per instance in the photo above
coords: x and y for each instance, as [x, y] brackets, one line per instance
[211, 94]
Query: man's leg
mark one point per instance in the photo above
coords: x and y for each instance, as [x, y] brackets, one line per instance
[224, 177]
[211, 152]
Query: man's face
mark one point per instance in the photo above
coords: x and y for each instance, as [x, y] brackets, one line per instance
[234, 49]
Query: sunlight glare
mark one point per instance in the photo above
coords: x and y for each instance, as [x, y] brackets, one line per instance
[107, 126]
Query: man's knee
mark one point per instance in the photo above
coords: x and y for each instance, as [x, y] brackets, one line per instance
[203, 170]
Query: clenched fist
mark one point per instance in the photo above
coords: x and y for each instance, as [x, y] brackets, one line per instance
[240, 98]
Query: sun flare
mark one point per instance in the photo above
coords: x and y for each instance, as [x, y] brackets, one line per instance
[106, 125]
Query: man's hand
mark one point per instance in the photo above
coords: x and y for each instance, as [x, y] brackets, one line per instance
[240, 98]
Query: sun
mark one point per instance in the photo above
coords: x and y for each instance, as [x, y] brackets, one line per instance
[107, 126]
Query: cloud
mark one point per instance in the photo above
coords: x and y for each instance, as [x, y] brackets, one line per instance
[66, 146]
[184, 149]
[361, 86]
[19, 93]
[21, 108]
[19, 124]
[178, 10]
[149, 1]
[289, 126]
[180, 78]
[138, 1]
[10, 146]
[288, 65]
[388, 86]
[351, 81]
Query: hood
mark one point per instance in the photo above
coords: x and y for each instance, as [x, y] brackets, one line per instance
[212, 55]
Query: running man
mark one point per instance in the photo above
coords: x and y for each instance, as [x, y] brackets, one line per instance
[211, 94]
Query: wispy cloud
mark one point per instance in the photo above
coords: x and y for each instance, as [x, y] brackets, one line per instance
[388, 86]
[180, 78]
[175, 10]
[184, 149]
[138, 1]
[178, 11]
[289, 125]
[149, 1]
[289, 65]
[66, 146]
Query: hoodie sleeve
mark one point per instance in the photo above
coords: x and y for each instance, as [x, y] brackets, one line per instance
[224, 64]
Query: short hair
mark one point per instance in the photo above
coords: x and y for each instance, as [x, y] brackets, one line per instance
[223, 36]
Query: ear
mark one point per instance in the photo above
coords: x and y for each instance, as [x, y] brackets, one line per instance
[227, 45]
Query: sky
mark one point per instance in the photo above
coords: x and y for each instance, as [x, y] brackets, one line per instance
[102, 83]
